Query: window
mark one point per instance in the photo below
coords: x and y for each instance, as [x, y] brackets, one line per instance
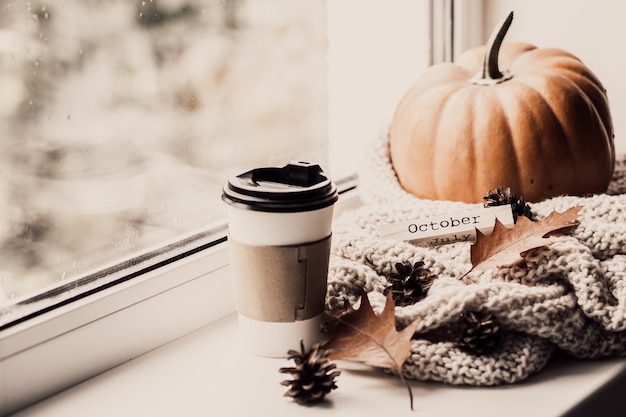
[127, 117]
[122, 119]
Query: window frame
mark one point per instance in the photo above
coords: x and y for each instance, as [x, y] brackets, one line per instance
[161, 298]
[119, 322]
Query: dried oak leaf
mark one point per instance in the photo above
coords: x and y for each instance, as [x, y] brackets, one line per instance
[364, 337]
[505, 247]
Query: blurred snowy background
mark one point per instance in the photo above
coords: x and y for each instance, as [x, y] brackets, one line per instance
[120, 120]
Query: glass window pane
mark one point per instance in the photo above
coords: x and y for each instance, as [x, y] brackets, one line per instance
[120, 121]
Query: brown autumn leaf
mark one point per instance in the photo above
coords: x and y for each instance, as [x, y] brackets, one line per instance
[505, 247]
[364, 337]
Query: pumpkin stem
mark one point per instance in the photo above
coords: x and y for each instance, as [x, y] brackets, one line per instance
[490, 73]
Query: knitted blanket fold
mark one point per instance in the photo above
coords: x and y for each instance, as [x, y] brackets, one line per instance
[570, 296]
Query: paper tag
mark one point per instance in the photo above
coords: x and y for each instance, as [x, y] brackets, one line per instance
[450, 228]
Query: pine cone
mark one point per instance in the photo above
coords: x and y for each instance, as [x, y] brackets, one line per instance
[478, 331]
[409, 284]
[313, 375]
[500, 197]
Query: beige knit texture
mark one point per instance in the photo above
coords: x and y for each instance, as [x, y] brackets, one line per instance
[571, 296]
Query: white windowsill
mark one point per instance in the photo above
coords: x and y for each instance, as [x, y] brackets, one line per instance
[207, 373]
[69, 344]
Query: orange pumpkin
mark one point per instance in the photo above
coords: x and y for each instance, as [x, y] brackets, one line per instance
[542, 127]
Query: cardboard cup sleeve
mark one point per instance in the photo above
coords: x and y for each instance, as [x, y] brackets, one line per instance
[280, 283]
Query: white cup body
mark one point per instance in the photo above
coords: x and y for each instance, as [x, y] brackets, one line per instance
[260, 228]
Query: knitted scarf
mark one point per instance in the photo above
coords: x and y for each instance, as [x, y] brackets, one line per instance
[570, 296]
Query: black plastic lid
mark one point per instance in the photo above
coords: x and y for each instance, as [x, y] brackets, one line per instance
[298, 186]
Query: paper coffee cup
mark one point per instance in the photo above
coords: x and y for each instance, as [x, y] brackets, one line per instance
[279, 221]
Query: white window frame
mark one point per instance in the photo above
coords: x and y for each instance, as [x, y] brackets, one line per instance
[107, 326]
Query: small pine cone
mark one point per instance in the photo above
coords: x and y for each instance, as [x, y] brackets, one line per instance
[313, 376]
[409, 284]
[501, 196]
[478, 331]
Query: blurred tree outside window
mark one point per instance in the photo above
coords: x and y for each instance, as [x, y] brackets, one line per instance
[120, 121]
